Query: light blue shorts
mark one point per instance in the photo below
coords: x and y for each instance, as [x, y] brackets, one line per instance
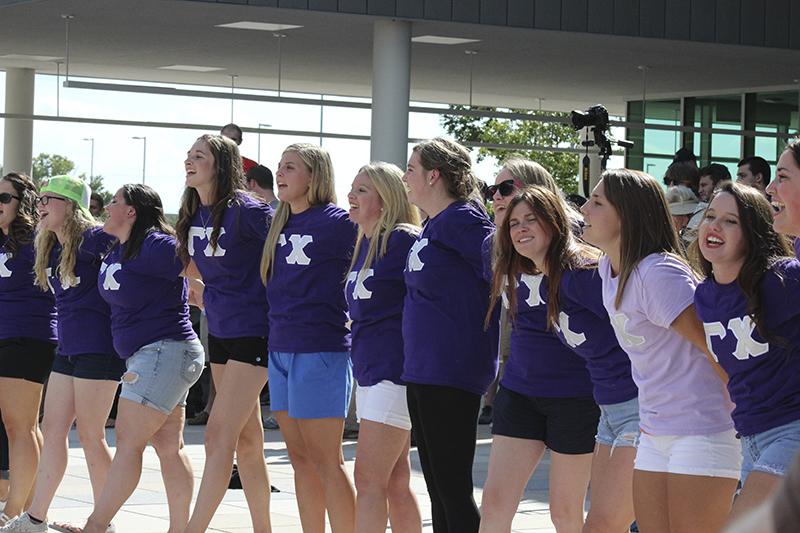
[310, 385]
[160, 374]
[771, 451]
[619, 424]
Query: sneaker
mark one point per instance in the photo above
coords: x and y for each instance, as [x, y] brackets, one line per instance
[5, 519]
[486, 415]
[24, 524]
[200, 419]
[271, 423]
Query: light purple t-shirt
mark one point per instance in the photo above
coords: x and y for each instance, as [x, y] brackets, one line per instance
[679, 392]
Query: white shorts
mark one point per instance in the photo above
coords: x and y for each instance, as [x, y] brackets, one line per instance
[385, 403]
[714, 455]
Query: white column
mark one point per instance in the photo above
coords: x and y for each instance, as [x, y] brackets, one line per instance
[18, 133]
[391, 86]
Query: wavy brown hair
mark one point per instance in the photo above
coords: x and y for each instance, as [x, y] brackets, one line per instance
[21, 230]
[228, 181]
[646, 223]
[565, 252]
[763, 247]
[454, 165]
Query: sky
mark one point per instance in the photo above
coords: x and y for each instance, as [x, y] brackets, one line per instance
[119, 158]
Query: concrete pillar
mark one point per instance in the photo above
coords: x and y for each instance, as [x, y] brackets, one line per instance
[18, 139]
[391, 87]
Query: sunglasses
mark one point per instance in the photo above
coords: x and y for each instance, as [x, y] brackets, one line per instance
[44, 200]
[505, 188]
[6, 197]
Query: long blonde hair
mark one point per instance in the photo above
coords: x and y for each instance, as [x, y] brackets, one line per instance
[75, 224]
[321, 191]
[396, 213]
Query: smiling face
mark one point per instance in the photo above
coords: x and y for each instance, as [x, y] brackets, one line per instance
[53, 216]
[200, 166]
[417, 180]
[8, 212]
[500, 202]
[785, 193]
[121, 217]
[293, 179]
[603, 226]
[365, 203]
[721, 239]
[528, 234]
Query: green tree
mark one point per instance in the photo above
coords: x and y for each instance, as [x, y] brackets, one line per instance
[563, 166]
[47, 165]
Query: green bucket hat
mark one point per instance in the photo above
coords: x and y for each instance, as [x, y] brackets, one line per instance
[70, 187]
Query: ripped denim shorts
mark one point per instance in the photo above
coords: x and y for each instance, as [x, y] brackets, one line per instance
[160, 374]
[619, 424]
[771, 451]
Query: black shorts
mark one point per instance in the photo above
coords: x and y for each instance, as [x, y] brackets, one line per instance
[26, 358]
[565, 425]
[251, 350]
[107, 367]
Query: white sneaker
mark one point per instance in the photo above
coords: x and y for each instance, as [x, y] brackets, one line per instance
[24, 524]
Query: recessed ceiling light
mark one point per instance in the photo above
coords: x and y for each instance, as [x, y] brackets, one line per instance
[25, 57]
[191, 68]
[439, 39]
[262, 26]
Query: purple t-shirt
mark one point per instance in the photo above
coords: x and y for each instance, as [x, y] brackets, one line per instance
[446, 302]
[583, 325]
[25, 309]
[305, 290]
[539, 365]
[84, 318]
[796, 245]
[764, 376]
[679, 392]
[375, 300]
[147, 295]
[234, 295]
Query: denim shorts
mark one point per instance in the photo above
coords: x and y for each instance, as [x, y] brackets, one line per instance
[160, 374]
[771, 451]
[619, 424]
[310, 385]
[99, 366]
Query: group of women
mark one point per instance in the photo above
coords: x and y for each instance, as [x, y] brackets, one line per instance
[622, 361]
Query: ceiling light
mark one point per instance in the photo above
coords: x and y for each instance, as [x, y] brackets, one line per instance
[262, 26]
[191, 68]
[439, 39]
[25, 57]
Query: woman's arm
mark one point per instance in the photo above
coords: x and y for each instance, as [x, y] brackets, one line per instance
[689, 326]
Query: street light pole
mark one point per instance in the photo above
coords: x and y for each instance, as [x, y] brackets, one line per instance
[91, 166]
[144, 155]
[260, 126]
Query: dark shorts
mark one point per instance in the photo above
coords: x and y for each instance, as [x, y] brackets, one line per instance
[90, 366]
[251, 350]
[26, 358]
[565, 425]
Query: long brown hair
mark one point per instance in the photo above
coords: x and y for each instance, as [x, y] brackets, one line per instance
[20, 232]
[646, 226]
[565, 251]
[763, 247]
[228, 181]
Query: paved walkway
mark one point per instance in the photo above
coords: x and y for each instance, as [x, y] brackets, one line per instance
[146, 510]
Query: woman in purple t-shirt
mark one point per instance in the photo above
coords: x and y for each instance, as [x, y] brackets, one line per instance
[27, 336]
[684, 409]
[784, 191]
[387, 227]
[221, 230]
[748, 305]
[304, 267]
[86, 371]
[537, 237]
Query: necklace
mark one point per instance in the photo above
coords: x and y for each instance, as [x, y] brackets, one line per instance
[203, 220]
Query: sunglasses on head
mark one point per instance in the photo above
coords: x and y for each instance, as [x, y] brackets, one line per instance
[6, 197]
[504, 188]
